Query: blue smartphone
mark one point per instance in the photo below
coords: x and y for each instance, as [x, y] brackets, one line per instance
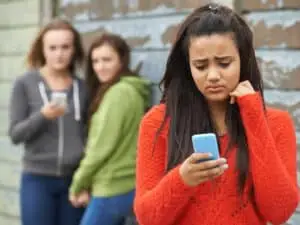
[206, 143]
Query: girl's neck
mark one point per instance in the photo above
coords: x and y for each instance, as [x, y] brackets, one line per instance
[56, 80]
[218, 114]
[55, 74]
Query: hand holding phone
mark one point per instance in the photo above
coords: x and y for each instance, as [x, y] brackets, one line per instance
[52, 111]
[205, 164]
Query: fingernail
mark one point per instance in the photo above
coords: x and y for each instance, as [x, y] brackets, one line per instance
[223, 160]
[225, 166]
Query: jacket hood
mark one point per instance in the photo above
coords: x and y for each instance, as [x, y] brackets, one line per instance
[141, 85]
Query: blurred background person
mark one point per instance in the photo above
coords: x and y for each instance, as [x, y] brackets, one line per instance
[48, 115]
[119, 98]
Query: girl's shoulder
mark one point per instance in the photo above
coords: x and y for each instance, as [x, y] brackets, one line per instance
[155, 117]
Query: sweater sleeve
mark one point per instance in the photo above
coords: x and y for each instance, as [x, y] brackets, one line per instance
[104, 134]
[23, 125]
[272, 153]
[160, 197]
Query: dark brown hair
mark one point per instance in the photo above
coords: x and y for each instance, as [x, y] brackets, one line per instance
[96, 88]
[186, 106]
[36, 58]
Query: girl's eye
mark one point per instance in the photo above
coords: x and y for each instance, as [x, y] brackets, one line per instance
[201, 67]
[224, 65]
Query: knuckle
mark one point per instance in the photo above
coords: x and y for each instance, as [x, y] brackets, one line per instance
[205, 166]
[218, 171]
[189, 168]
[212, 164]
[209, 164]
[193, 157]
[207, 173]
[214, 171]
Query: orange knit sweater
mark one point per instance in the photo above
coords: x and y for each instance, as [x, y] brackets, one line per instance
[163, 199]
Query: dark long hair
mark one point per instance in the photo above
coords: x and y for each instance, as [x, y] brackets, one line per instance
[36, 58]
[95, 87]
[186, 106]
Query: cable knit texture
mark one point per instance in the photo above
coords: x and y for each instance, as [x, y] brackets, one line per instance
[164, 199]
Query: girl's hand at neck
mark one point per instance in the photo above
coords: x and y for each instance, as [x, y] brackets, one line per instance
[242, 89]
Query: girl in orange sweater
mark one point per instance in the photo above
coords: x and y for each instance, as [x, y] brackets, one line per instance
[212, 84]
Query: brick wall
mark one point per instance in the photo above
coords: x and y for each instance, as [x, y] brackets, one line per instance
[18, 24]
[276, 27]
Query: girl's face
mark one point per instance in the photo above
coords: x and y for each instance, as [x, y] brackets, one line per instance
[58, 48]
[215, 65]
[106, 63]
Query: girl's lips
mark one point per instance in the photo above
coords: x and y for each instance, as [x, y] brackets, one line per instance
[215, 88]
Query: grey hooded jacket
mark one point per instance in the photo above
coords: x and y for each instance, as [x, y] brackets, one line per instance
[52, 147]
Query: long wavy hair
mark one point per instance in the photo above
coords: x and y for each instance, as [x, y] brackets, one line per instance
[186, 106]
[95, 87]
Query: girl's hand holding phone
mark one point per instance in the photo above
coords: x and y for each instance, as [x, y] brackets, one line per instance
[194, 172]
[52, 111]
[57, 107]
